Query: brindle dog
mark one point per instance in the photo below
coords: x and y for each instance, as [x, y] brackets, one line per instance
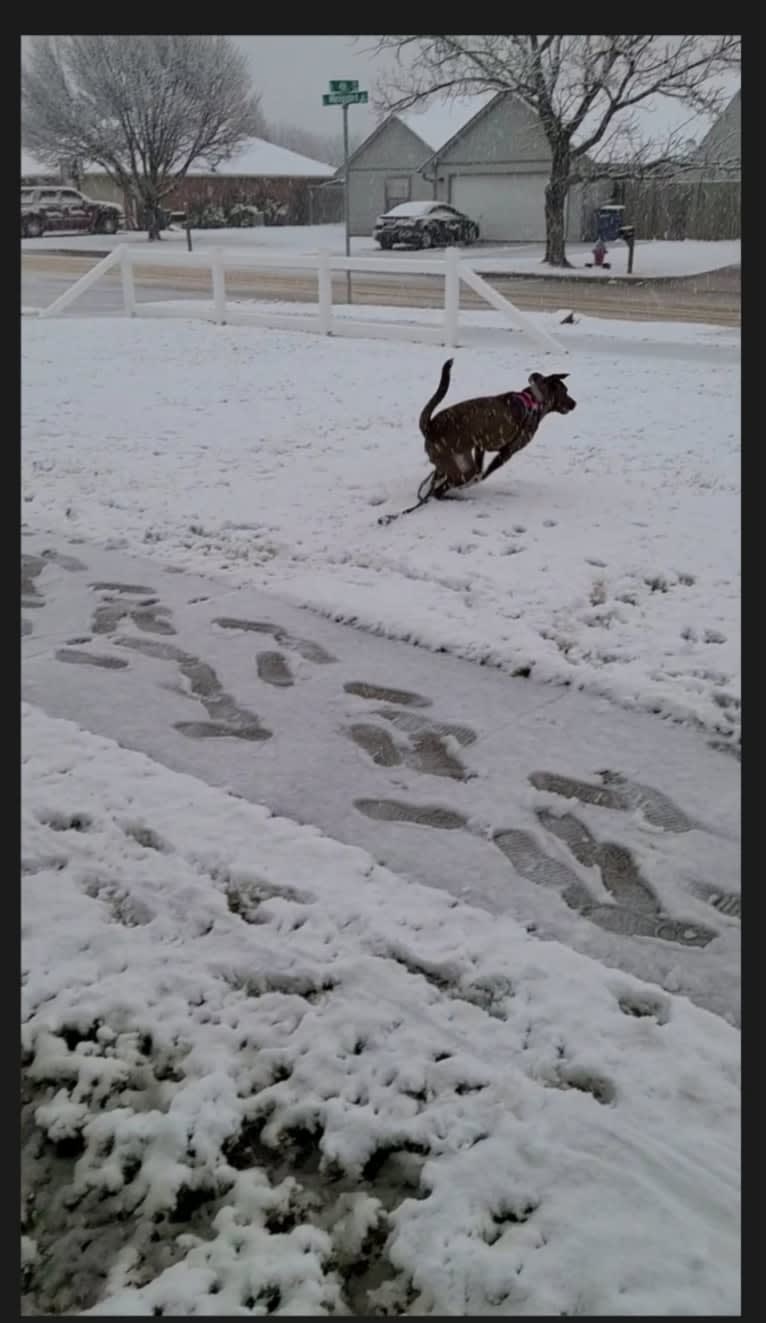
[459, 437]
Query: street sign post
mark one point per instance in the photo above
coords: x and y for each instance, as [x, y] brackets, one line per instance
[344, 92]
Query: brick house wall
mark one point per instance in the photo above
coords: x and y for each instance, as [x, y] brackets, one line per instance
[267, 195]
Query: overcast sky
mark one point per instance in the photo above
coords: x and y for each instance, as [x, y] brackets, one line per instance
[291, 73]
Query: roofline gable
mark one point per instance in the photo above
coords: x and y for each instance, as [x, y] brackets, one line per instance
[483, 110]
[376, 132]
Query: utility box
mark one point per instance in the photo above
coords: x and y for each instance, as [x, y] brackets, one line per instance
[608, 222]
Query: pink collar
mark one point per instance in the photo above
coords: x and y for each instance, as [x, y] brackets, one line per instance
[530, 401]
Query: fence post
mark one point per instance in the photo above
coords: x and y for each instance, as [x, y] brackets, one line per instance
[451, 297]
[128, 283]
[324, 281]
[219, 286]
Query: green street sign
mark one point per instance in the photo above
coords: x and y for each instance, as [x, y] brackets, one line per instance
[344, 85]
[344, 99]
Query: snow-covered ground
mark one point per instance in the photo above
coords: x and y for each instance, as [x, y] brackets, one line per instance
[652, 257]
[263, 1074]
[601, 828]
[606, 556]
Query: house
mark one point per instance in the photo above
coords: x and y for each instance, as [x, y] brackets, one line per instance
[720, 152]
[273, 179]
[701, 198]
[486, 154]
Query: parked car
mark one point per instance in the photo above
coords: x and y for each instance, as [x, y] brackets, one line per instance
[424, 225]
[45, 209]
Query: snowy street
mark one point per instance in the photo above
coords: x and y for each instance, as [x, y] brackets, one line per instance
[708, 296]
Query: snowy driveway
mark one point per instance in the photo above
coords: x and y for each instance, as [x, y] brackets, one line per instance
[606, 829]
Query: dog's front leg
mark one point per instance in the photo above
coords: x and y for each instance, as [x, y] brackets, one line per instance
[500, 459]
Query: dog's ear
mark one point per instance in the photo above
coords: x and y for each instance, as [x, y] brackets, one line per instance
[558, 376]
[535, 378]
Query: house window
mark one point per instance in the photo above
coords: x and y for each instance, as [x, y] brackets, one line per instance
[397, 190]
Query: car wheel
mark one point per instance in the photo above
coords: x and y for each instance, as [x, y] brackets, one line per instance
[426, 239]
[33, 227]
[473, 234]
[108, 224]
[385, 242]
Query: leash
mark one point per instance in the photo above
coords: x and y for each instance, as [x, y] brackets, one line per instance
[423, 497]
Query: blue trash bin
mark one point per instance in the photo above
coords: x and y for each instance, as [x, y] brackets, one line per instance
[608, 222]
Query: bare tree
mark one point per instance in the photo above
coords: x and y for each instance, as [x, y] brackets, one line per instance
[584, 91]
[144, 108]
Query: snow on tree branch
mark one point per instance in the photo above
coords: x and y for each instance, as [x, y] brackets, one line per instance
[143, 108]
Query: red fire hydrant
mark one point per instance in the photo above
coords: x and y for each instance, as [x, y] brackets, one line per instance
[599, 253]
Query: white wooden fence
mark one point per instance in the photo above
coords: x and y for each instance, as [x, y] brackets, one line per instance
[452, 267]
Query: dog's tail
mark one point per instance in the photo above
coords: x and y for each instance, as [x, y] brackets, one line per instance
[437, 397]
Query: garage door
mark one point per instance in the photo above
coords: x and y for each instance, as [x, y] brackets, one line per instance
[506, 207]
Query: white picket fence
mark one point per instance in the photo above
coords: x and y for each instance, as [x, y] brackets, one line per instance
[452, 267]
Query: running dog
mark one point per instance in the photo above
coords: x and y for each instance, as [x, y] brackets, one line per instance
[459, 437]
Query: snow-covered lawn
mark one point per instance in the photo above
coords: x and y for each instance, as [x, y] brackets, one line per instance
[652, 257]
[606, 556]
[262, 1074]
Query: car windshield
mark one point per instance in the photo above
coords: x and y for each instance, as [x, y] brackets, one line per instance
[413, 209]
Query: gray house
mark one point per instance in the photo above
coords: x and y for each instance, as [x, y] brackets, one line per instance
[486, 154]
[720, 152]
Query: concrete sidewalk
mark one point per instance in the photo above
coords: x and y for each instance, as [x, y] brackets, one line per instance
[608, 830]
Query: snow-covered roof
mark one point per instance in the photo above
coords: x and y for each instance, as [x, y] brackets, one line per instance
[660, 121]
[260, 158]
[438, 123]
[29, 166]
[724, 137]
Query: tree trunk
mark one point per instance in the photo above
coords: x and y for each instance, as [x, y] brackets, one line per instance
[555, 204]
[155, 223]
[151, 219]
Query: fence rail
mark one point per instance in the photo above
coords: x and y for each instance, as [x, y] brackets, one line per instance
[453, 268]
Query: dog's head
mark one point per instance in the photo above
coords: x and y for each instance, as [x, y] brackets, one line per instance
[552, 392]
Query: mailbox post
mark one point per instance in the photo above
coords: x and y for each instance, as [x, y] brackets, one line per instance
[628, 233]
